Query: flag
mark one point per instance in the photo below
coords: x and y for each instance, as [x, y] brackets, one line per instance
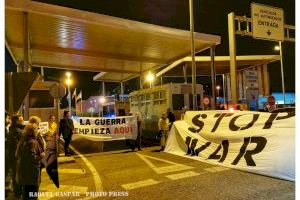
[74, 94]
[51, 160]
[79, 96]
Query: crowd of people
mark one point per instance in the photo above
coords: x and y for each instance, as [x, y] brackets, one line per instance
[25, 148]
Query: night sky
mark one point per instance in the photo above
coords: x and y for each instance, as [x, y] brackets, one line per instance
[210, 16]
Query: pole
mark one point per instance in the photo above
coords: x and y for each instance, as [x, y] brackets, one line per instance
[122, 91]
[42, 72]
[232, 53]
[103, 88]
[141, 81]
[184, 73]
[282, 73]
[26, 42]
[69, 99]
[195, 106]
[224, 90]
[26, 67]
[213, 76]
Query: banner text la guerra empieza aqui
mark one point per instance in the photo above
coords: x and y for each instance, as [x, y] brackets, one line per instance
[105, 129]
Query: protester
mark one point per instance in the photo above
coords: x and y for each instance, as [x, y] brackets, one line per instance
[29, 155]
[138, 141]
[163, 126]
[36, 120]
[171, 117]
[7, 124]
[221, 106]
[13, 138]
[66, 128]
[52, 128]
[183, 113]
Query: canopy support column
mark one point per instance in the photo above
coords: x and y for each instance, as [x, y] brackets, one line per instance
[213, 76]
[282, 73]
[240, 85]
[42, 72]
[266, 80]
[122, 91]
[103, 88]
[224, 88]
[26, 64]
[184, 73]
[195, 105]
[260, 82]
[232, 53]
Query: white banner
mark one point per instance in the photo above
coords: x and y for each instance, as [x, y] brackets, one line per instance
[43, 127]
[262, 143]
[105, 129]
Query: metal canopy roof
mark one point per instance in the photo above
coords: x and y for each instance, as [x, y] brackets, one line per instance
[222, 64]
[68, 38]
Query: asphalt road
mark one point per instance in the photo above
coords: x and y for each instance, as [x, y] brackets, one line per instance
[150, 174]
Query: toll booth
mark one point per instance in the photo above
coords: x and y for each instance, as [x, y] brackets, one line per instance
[253, 83]
[252, 76]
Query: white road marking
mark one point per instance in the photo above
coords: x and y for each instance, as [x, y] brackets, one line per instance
[216, 169]
[131, 186]
[97, 180]
[182, 175]
[69, 171]
[166, 169]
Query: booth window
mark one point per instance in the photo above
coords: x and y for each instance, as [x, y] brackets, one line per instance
[134, 100]
[178, 101]
[191, 101]
[145, 99]
[159, 97]
[40, 99]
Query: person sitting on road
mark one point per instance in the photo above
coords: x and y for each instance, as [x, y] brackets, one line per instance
[163, 126]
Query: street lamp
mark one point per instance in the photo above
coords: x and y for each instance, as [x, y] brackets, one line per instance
[277, 48]
[218, 89]
[69, 83]
[150, 78]
[102, 100]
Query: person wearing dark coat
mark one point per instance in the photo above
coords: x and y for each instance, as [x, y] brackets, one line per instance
[29, 155]
[13, 138]
[7, 124]
[66, 128]
[137, 143]
[171, 117]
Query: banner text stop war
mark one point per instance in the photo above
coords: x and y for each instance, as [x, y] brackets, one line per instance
[196, 120]
[257, 142]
